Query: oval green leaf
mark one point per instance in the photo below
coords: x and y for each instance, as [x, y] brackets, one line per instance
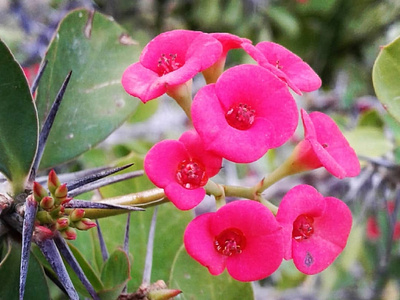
[385, 77]
[18, 121]
[97, 50]
[197, 283]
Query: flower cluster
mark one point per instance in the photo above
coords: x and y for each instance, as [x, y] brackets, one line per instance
[239, 115]
[52, 215]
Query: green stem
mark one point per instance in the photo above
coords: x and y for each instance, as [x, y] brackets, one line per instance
[288, 167]
[182, 94]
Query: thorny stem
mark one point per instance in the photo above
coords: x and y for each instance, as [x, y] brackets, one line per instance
[149, 250]
[38, 77]
[103, 247]
[44, 134]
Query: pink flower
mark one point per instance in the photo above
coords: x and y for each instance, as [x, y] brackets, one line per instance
[315, 229]
[286, 65]
[182, 168]
[228, 42]
[245, 113]
[242, 236]
[324, 145]
[169, 61]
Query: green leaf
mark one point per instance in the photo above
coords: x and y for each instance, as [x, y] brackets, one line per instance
[18, 121]
[91, 275]
[97, 51]
[385, 75]
[36, 285]
[369, 141]
[115, 274]
[197, 283]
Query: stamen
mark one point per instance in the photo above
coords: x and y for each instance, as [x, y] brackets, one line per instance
[240, 116]
[191, 174]
[230, 242]
[303, 227]
[167, 64]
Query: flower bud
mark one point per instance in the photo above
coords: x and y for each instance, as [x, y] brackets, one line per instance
[47, 203]
[69, 233]
[61, 192]
[44, 217]
[77, 214]
[84, 224]
[163, 294]
[42, 233]
[62, 223]
[53, 182]
[39, 192]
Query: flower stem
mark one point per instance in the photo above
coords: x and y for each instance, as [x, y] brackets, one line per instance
[285, 169]
[182, 94]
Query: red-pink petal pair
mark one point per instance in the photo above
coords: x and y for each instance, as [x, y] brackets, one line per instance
[245, 238]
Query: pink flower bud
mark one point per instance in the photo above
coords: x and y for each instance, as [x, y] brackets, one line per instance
[47, 203]
[53, 182]
[77, 214]
[61, 191]
[39, 191]
[42, 233]
[84, 224]
[62, 223]
[69, 233]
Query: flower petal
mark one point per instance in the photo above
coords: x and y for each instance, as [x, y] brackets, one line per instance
[299, 72]
[331, 231]
[199, 243]
[162, 160]
[183, 198]
[141, 82]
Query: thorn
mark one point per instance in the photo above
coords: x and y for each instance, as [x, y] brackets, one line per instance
[149, 251]
[126, 243]
[94, 177]
[75, 203]
[103, 247]
[39, 76]
[103, 182]
[27, 231]
[48, 123]
[71, 260]
[50, 252]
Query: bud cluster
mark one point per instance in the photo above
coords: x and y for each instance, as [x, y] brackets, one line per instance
[52, 214]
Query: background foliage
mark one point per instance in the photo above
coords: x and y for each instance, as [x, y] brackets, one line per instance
[340, 39]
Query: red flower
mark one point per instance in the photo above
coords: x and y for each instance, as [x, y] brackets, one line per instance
[228, 42]
[315, 229]
[245, 113]
[324, 145]
[242, 236]
[373, 228]
[182, 168]
[286, 65]
[169, 61]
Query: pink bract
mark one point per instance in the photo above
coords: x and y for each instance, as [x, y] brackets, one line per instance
[244, 114]
[286, 65]
[242, 236]
[315, 229]
[169, 60]
[228, 42]
[324, 145]
[182, 168]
